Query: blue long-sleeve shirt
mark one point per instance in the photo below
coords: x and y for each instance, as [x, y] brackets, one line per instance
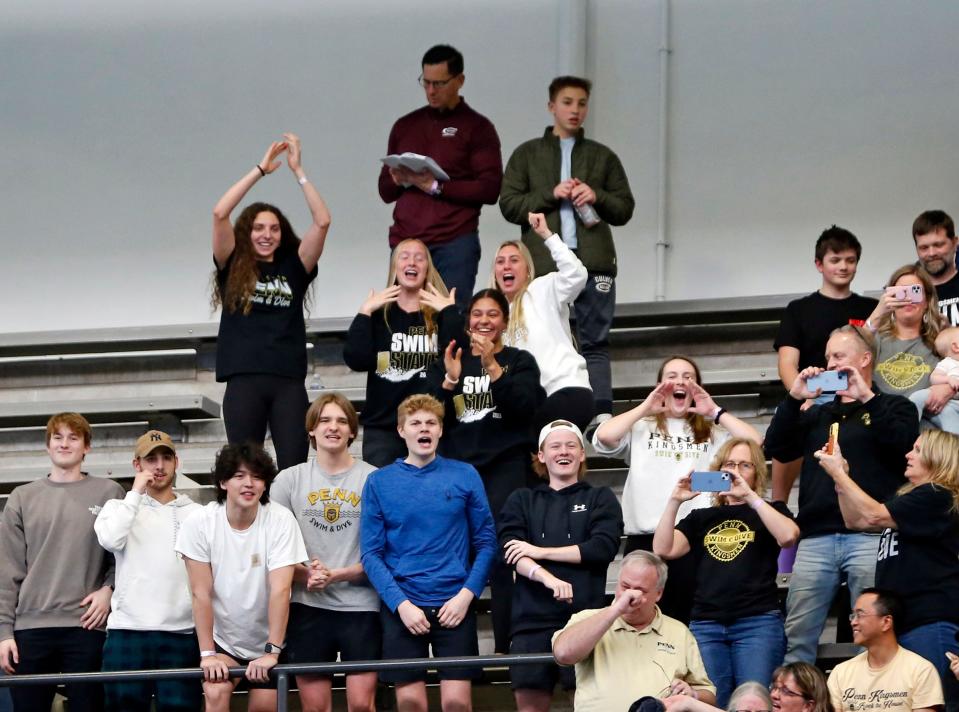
[421, 527]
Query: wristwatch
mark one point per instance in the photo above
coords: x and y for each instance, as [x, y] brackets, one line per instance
[275, 649]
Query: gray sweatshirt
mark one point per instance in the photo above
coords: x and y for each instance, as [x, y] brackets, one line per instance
[50, 559]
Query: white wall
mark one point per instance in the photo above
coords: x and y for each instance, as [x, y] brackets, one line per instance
[121, 123]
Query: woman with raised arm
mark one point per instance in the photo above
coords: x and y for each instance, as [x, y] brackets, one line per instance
[677, 428]
[735, 546]
[395, 337]
[539, 322]
[263, 274]
[918, 555]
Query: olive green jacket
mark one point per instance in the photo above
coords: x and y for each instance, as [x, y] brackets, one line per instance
[532, 173]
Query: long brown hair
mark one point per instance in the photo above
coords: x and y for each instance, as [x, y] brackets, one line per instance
[432, 277]
[700, 426]
[931, 320]
[234, 295]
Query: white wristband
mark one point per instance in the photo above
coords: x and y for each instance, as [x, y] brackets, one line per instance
[302, 180]
[446, 377]
[207, 653]
[532, 572]
[757, 503]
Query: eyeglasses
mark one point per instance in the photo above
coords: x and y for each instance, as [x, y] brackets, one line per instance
[763, 710]
[435, 83]
[741, 466]
[862, 614]
[783, 690]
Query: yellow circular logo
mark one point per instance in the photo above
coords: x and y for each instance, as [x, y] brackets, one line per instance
[727, 540]
[903, 370]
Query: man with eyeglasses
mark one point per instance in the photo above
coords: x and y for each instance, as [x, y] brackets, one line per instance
[444, 214]
[876, 430]
[885, 677]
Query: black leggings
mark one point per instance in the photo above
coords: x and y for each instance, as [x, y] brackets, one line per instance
[254, 400]
[500, 479]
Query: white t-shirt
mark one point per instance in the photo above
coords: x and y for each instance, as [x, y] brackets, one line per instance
[241, 561]
[656, 462]
[907, 682]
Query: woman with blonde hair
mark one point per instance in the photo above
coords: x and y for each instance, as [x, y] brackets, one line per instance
[918, 555]
[906, 324]
[263, 275]
[395, 337]
[539, 322]
[735, 546]
[800, 687]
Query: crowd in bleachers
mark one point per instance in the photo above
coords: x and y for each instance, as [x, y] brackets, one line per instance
[479, 409]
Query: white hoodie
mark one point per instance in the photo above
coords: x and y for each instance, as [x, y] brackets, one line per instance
[152, 591]
[546, 321]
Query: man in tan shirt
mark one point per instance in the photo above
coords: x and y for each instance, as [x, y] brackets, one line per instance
[630, 649]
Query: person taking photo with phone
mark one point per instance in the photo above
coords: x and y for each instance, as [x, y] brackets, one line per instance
[906, 323]
[876, 430]
[735, 545]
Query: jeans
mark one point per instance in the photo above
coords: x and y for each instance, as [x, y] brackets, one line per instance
[745, 649]
[457, 262]
[948, 418]
[593, 311]
[931, 641]
[821, 563]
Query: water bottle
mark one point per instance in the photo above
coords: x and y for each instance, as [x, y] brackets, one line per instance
[587, 214]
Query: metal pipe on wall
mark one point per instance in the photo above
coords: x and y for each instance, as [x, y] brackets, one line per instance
[571, 38]
[662, 234]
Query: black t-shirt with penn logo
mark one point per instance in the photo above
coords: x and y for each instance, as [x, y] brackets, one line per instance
[271, 338]
[737, 561]
[919, 559]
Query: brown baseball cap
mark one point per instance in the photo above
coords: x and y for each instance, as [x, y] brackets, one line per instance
[150, 441]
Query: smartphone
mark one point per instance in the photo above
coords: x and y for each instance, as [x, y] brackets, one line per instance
[833, 438]
[829, 381]
[710, 482]
[906, 293]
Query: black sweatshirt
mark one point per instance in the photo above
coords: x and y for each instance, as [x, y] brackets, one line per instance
[874, 438]
[576, 515]
[489, 420]
[396, 351]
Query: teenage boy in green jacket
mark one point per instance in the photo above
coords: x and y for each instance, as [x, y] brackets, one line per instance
[562, 175]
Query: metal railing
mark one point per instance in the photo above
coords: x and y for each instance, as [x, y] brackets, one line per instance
[283, 672]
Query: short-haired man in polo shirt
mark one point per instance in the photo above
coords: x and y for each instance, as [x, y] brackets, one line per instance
[630, 649]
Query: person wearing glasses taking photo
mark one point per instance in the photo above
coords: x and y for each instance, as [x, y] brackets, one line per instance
[444, 214]
[735, 546]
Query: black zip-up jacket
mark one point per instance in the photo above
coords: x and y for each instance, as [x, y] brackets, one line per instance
[874, 438]
[589, 517]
